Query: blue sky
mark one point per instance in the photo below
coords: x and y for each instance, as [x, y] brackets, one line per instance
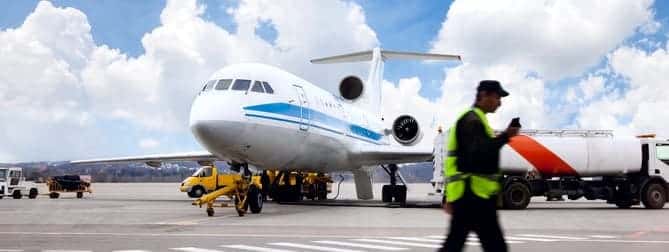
[585, 84]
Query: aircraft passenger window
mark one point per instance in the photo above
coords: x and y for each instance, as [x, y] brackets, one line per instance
[223, 84]
[257, 87]
[242, 85]
[209, 85]
[268, 88]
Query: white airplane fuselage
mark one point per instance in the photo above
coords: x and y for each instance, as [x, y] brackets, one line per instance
[298, 127]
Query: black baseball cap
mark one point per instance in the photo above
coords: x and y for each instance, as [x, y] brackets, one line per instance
[493, 86]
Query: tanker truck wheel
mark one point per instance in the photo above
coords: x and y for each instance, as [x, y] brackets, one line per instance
[33, 193]
[654, 196]
[516, 196]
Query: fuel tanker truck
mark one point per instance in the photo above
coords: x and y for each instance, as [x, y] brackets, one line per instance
[590, 164]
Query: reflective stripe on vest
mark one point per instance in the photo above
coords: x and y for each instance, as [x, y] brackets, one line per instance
[482, 185]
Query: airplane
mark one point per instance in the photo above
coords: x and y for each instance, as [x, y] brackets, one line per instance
[259, 116]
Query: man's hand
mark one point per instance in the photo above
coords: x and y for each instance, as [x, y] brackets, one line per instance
[512, 131]
[448, 208]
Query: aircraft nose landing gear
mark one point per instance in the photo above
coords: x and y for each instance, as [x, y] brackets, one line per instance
[394, 192]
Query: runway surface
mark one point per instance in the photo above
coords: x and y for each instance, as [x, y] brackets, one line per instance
[156, 217]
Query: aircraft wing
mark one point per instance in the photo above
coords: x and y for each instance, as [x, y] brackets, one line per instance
[390, 154]
[153, 160]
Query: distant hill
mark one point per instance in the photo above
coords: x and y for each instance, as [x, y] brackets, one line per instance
[177, 171]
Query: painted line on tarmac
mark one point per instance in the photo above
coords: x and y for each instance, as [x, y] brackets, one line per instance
[474, 239]
[360, 245]
[254, 248]
[192, 249]
[65, 250]
[200, 235]
[11, 250]
[621, 241]
[604, 236]
[400, 243]
[312, 247]
[415, 239]
[560, 237]
[529, 239]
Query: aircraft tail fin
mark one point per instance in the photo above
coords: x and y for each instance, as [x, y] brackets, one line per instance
[370, 99]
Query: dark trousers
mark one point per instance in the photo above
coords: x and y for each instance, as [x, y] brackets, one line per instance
[471, 213]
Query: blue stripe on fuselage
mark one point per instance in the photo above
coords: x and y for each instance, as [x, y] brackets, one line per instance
[336, 124]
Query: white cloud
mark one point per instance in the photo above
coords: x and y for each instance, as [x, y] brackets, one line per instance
[651, 27]
[641, 108]
[591, 86]
[148, 143]
[58, 88]
[555, 39]
[458, 93]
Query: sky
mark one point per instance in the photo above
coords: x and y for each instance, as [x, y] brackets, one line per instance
[87, 79]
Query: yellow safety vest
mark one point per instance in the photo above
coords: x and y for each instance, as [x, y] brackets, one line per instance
[482, 185]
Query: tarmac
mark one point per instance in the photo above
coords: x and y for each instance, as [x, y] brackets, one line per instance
[157, 217]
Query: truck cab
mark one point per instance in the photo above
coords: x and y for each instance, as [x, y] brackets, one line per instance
[202, 181]
[13, 183]
[658, 158]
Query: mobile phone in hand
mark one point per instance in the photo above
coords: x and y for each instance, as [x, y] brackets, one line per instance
[515, 122]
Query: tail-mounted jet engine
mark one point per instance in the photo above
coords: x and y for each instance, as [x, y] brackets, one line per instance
[406, 130]
[350, 88]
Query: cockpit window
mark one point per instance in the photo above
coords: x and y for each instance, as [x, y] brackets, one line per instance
[242, 85]
[268, 88]
[208, 85]
[223, 84]
[257, 87]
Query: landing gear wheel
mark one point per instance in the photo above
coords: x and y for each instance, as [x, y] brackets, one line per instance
[254, 199]
[516, 196]
[210, 211]
[312, 192]
[80, 195]
[387, 193]
[33, 193]
[400, 194]
[322, 191]
[17, 195]
[654, 196]
[54, 195]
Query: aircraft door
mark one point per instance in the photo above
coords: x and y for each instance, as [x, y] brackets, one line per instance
[305, 113]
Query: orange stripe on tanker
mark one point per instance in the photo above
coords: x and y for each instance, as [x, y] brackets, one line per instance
[543, 159]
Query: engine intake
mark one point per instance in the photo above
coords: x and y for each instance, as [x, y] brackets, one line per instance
[350, 88]
[406, 130]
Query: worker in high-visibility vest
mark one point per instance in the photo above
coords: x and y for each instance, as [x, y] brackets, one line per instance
[472, 172]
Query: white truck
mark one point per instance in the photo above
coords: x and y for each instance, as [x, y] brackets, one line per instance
[13, 183]
[592, 164]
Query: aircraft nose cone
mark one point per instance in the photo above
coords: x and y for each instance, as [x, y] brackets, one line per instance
[216, 125]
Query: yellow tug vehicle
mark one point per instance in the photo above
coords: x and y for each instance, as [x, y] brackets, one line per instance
[246, 192]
